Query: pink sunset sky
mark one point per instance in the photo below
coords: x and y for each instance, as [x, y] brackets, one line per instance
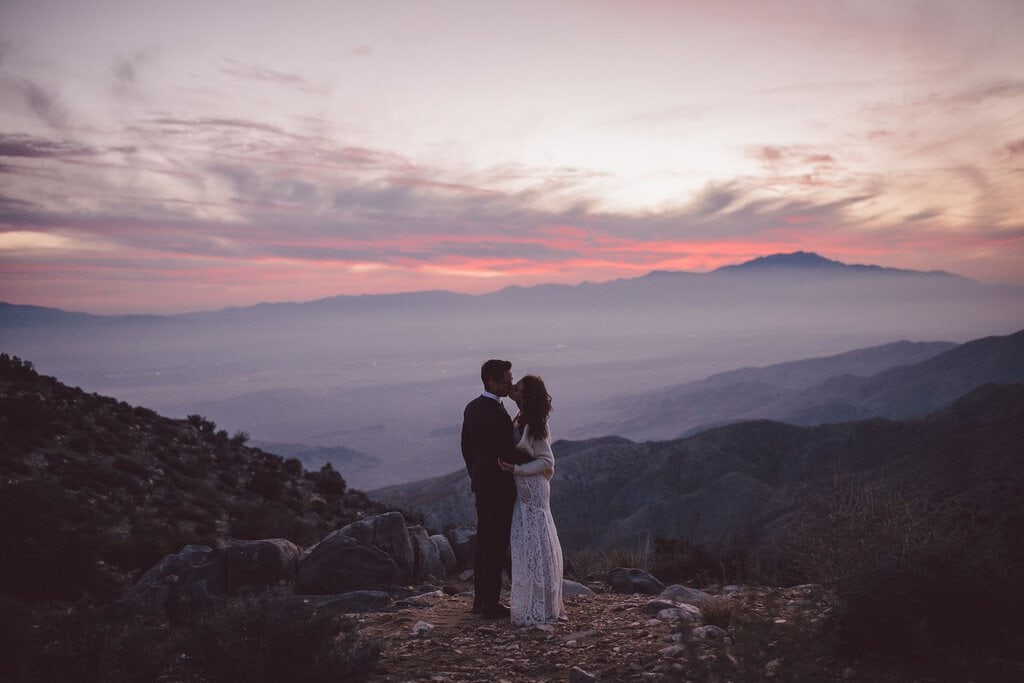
[160, 157]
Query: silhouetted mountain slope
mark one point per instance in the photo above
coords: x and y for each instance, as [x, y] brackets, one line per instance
[895, 380]
[739, 485]
[93, 490]
[909, 390]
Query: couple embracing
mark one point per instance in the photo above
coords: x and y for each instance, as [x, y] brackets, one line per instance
[510, 465]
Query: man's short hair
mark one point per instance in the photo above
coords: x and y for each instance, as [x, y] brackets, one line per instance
[494, 370]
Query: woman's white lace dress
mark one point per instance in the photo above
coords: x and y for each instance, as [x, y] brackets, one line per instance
[536, 596]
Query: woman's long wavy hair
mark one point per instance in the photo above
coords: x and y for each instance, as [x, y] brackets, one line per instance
[536, 406]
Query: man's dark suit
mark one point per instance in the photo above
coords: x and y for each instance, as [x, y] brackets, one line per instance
[487, 436]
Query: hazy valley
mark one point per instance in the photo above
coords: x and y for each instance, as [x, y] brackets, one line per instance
[388, 376]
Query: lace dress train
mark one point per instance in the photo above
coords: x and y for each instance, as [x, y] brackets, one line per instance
[536, 596]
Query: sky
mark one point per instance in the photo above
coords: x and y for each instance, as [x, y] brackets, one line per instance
[163, 157]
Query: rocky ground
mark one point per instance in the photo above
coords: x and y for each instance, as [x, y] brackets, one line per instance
[770, 633]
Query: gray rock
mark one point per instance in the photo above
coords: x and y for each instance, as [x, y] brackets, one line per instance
[249, 564]
[338, 565]
[689, 596]
[172, 565]
[627, 580]
[578, 675]
[426, 558]
[462, 540]
[198, 578]
[680, 613]
[657, 604]
[444, 549]
[353, 601]
[570, 587]
[386, 532]
[709, 632]
[423, 599]
[422, 628]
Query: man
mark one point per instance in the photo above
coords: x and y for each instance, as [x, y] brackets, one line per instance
[486, 437]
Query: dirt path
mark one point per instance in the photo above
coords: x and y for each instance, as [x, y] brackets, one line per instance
[607, 635]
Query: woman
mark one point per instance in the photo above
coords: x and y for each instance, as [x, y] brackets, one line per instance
[536, 553]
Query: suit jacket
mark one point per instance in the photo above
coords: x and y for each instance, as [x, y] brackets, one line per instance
[487, 436]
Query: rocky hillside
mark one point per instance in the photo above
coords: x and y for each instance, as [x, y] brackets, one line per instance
[93, 491]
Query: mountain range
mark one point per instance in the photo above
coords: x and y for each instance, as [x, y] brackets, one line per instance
[739, 485]
[953, 437]
[896, 380]
[387, 376]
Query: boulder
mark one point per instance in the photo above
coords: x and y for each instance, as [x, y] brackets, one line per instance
[630, 580]
[444, 549]
[426, 557]
[197, 578]
[172, 565]
[463, 541]
[353, 601]
[682, 594]
[386, 532]
[578, 675]
[341, 564]
[683, 613]
[709, 632]
[250, 564]
[573, 588]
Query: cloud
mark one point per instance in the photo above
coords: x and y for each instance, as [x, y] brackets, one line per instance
[255, 72]
[126, 73]
[26, 146]
[1015, 147]
[43, 103]
[979, 94]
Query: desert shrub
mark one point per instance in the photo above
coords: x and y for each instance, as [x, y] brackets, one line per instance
[239, 438]
[678, 561]
[131, 467]
[146, 543]
[277, 637]
[328, 480]
[227, 480]
[265, 519]
[145, 413]
[293, 466]
[718, 611]
[14, 368]
[636, 557]
[46, 558]
[82, 644]
[912, 581]
[798, 645]
[267, 484]
[80, 443]
[203, 425]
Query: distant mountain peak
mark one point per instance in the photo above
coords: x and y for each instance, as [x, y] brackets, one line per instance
[808, 261]
[796, 259]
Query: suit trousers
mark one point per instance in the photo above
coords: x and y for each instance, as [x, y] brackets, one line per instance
[493, 529]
